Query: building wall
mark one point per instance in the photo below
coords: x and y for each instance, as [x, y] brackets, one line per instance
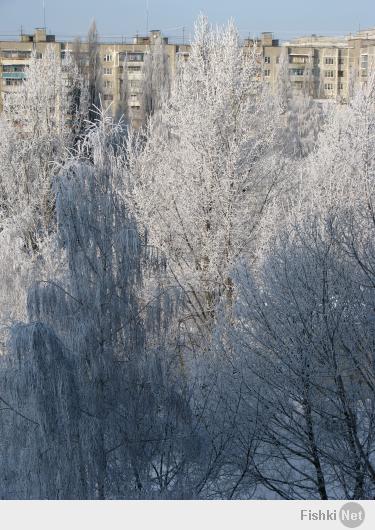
[328, 65]
[15, 56]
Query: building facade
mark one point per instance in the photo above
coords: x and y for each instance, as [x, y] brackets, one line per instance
[328, 65]
[15, 56]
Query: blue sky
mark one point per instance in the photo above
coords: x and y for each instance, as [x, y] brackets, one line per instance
[286, 18]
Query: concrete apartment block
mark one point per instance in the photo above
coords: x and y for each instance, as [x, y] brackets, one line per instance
[329, 65]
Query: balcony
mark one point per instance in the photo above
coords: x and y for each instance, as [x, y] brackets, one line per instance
[134, 57]
[299, 60]
[15, 54]
[13, 75]
[296, 72]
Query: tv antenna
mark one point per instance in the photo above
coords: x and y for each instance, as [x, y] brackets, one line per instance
[44, 15]
[147, 15]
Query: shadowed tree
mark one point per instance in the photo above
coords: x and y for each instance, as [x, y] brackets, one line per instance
[89, 381]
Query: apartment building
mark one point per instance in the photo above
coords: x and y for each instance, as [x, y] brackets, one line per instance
[327, 65]
[15, 56]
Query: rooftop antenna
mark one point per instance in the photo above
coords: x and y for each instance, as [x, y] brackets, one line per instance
[147, 15]
[44, 15]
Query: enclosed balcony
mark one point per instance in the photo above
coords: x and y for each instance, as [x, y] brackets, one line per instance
[13, 75]
[15, 54]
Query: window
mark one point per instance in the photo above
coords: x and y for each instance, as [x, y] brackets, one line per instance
[328, 86]
[341, 60]
[107, 58]
[329, 73]
[13, 82]
[107, 71]
[133, 68]
[297, 71]
[267, 73]
[16, 54]
[108, 97]
[13, 68]
[134, 100]
[137, 57]
[341, 73]
[329, 60]
[131, 56]
[299, 59]
[278, 59]
[341, 86]
[267, 60]
[108, 84]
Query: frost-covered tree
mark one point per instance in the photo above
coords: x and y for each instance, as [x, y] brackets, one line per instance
[93, 71]
[304, 120]
[122, 110]
[340, 171]
[303, 342]
[187, 310]
[339, 179]
[79, 56]
[283, 84]
[39, 124]
[209, 168]
[156, 80]
[302, 115]
[304, 332]
[37, 128]
[89, 380]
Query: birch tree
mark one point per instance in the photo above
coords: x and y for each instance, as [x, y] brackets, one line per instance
[209, 168]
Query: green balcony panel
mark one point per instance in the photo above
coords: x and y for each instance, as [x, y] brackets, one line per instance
[13, 75]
